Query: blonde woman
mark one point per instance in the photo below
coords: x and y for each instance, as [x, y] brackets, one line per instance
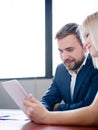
[89, 31]
[86, 116]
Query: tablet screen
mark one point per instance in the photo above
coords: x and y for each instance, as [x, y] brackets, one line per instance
[16, 91]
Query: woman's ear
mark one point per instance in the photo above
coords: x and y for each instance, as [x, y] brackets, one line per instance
[87, 47]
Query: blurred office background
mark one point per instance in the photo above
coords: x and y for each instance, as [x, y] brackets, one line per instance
[28, 49]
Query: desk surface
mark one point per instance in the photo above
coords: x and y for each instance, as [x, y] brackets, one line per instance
[19, 123]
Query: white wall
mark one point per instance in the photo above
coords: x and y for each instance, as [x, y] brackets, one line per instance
[34, 86]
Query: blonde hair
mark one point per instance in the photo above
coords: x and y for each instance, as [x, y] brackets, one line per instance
[90, 27]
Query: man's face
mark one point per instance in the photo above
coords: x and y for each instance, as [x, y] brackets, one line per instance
[71, 52]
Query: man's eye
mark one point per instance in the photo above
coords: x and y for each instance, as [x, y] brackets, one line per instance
[70, 49]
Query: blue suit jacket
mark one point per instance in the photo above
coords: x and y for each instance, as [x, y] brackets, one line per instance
[86, 87]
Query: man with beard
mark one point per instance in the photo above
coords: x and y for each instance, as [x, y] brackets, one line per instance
[73, 80]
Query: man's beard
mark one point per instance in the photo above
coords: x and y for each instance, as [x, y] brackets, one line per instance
[76, 64]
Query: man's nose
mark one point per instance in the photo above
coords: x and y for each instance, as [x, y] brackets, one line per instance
[65, 55]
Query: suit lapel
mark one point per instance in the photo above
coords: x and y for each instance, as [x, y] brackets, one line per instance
[67, 88]
[64, 82]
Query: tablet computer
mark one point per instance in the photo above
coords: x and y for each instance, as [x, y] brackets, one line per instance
[17, 93]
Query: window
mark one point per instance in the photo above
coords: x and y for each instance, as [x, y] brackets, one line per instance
[65, 11]
[22, 38]
[27, 34]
